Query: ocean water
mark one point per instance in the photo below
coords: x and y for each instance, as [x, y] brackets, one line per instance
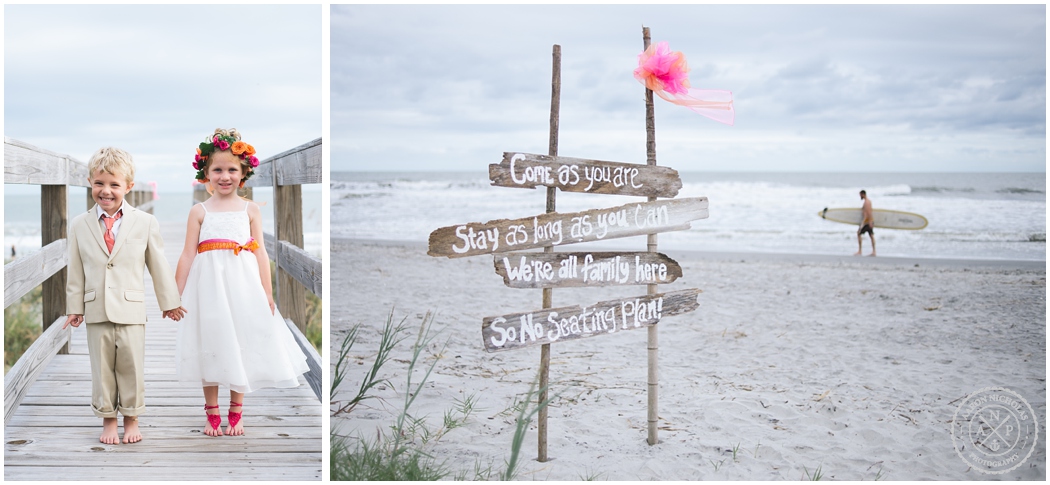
[22, 215]
[971, 215]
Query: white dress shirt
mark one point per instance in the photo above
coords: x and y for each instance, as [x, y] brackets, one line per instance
[116, 223]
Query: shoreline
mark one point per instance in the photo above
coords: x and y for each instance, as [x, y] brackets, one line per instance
[1025, 264]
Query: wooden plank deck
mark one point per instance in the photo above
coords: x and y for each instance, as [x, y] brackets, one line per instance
[54, 435]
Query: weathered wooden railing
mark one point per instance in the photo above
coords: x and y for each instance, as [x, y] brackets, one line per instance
[54, 173]
[297, 271]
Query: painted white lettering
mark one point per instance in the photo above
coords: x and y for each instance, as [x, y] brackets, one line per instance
[502, 332]
[516, 234]
[654, 216]
[465, 238]
[611, 219]
[581, 227]
[533, 331]
[515, 158]
[555, 331]
[546, 232]
[514, 272]
[543, 269]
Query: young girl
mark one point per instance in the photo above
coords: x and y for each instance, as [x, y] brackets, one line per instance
[232, 334]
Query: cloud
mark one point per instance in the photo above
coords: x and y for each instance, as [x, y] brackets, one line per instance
[156, 79]
[464, 83]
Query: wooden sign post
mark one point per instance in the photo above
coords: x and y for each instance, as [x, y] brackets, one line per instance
[506, 238]
[548, 293]
[653, 347]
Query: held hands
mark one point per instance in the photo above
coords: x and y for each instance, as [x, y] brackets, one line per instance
[74, 320]
[175, 314]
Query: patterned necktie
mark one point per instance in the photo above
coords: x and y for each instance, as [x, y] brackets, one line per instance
[108, 236]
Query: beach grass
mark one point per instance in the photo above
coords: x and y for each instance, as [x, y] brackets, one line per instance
[314, 331]
[817, 475]
[403, 453]
[393, 456]
[22, 326]
[314, 310]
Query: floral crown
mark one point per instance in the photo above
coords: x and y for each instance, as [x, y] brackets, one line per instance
[239, 148]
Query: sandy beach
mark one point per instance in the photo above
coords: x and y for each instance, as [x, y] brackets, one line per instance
[851, 365]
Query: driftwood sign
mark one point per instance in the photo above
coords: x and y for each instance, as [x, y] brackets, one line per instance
[553, 229]
[549, 270]
[519, 330]
[527, 170]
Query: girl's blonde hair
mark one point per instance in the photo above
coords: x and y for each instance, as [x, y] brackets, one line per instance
[232, 133]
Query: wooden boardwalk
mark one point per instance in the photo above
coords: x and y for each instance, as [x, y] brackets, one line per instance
[54, 435]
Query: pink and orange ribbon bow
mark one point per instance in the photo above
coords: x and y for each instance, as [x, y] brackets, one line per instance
[666, 73]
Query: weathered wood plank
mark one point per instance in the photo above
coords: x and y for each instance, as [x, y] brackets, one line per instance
[313, 360]
[27, 164]
[300, 165]
[528, 170]
[28, 272]
[259, 407]
[304, 267]
[21, 376]
[549, 270]
[88, 420]
[288, 227]
[167, 387]
[53, 221]
[78, 439]
[553, 229]
[189, 401]
[190, 471]
[141, 199]
[519, 330]
[262, 176]
[93, 459]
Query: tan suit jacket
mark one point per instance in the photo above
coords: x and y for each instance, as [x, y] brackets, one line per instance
[108, 287]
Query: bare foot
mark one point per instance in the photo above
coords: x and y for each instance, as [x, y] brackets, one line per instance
[238, 429]
[872, 254]
[856, 253]
[109, 432]
[131, 430]
[208, 430]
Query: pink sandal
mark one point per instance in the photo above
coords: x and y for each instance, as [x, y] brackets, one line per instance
[214, 420]
[233, 417]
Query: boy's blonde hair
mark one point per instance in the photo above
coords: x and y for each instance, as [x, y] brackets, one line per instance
[113, 161]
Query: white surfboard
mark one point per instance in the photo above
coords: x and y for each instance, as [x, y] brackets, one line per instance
[883, 218]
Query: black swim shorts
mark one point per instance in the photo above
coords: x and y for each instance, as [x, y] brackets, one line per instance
[867, 228]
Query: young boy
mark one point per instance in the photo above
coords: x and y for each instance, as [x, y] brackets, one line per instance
[109, 246]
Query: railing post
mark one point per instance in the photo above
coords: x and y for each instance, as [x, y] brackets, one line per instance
[288, 226]
[53, 221]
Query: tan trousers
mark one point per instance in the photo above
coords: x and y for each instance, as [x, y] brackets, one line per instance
[117, 354]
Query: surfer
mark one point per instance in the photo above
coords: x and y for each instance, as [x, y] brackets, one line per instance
[867, 224]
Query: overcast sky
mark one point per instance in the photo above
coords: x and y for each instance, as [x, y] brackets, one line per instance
[155, 80]
[816, 88]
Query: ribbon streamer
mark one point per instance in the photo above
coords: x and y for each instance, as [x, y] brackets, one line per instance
[666, 73]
